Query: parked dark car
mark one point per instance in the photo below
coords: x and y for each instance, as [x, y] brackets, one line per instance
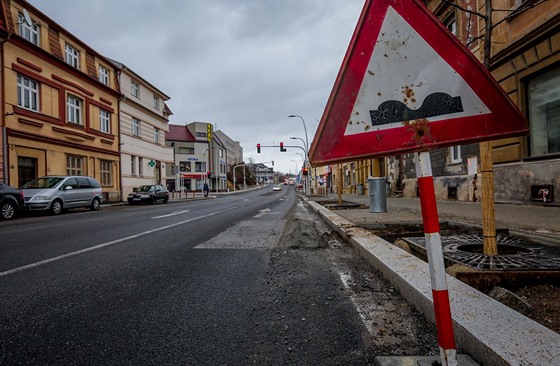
[11, 201]
[149, 194]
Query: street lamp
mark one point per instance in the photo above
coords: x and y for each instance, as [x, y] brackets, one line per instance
[304, 128]
[307, 191]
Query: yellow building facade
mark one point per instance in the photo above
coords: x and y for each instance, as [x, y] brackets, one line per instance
[59, 102]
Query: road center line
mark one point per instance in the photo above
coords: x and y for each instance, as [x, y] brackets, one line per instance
[171, 214]
[99, 246]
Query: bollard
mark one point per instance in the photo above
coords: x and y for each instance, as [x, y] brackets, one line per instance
[377, 194]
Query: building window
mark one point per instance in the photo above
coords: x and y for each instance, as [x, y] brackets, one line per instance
[28, 31]
[133, 165]
[135, 88]
[140, 166]
[544, 113]
[451, 24]
[200, 166]
[221, 153]
[106, 171]
[28, 93]
[135, 127]
[156, 135]
[185, 166]
[104, 121]
[455, 154]
[156, 102]
[74, 109]
[104, 75]
[74, 165]
[72, 56]
[186, 150]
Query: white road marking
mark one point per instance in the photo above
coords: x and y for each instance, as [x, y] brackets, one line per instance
[99, 246]
[171, 214]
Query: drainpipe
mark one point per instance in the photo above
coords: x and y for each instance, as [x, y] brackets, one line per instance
[3, 111]
[121, 98]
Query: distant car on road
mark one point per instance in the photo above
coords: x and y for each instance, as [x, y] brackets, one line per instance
[11, 201]
[277, 187]
[149, 194]
[56, 193]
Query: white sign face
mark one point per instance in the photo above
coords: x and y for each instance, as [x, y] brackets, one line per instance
[407, 80]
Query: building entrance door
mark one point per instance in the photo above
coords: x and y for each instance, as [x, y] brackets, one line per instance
[27, 170]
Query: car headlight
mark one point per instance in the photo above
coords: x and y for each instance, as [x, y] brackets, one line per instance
[40, 198]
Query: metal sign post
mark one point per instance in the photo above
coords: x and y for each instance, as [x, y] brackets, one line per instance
[440, 294]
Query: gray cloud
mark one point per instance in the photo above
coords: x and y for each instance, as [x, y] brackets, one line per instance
[244, 65]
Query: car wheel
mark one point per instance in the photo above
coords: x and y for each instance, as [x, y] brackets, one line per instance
[56, 207]
[166, 199]
[7, 210]
[152, 201]
[95, 204]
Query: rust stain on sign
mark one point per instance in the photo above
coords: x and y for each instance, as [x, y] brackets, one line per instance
[421, 129]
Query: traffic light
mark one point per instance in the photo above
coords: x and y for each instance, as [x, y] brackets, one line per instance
[305, 171]
[282, 147]
[258, 148]
[209, 174]
[272, 162]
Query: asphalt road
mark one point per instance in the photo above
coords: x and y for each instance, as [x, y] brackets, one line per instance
[184, 283]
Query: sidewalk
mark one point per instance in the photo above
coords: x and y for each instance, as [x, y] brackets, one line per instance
[490, 332]
[540, 223]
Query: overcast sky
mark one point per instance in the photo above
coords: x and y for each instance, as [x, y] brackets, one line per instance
[242, 65]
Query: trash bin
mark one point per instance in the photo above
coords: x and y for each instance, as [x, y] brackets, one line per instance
[360, 190]
[377, 194]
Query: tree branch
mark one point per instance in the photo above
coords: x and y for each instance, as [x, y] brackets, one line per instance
[448, 2]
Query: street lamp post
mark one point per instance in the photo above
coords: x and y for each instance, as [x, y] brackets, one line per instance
[307, 191]
[306, 149]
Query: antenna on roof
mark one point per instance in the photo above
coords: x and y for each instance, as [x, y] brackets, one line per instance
[27, 18]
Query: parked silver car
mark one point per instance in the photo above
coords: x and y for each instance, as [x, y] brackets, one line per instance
[57, 193]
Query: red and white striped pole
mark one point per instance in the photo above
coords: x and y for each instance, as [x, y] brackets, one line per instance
[442, 308]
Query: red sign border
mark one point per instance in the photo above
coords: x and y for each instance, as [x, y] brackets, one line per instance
[330, 145]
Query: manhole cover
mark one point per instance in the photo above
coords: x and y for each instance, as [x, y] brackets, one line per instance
[513, 253]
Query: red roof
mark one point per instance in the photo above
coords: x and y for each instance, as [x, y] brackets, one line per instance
[179, 133]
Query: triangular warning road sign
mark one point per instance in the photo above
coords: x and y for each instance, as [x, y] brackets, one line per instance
[407, 84]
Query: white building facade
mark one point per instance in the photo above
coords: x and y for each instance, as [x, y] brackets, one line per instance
[144, 121]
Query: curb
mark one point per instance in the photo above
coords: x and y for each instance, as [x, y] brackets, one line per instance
[485, 329]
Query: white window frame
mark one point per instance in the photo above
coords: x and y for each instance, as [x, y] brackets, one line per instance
[135, 88]
[156, 135]
[140, 166]
[104, 121]
[72, 56]
[74, 165]
[106, 171]
[132, 165]
[136, 127]
[30, 32]
[156, 102]
[28, 93]
[543, 93]
[455, 154]
[104, 74]
[74, 109]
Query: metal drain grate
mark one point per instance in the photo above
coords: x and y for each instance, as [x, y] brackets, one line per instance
[514, 254]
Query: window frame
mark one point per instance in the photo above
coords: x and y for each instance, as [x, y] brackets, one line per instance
[28, 92]
[132, 165]
[74, 110]
[74, 165]
[156, 135]
[134, 88]
[455, 154]
[542, 122]
[104, 75]
[104, 120]
[106, 172]
[72, 56]
[29, 32]
[135, 127]
[156, 102]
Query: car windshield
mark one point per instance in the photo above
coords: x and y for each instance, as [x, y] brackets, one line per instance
[145, 189]
[50, 182]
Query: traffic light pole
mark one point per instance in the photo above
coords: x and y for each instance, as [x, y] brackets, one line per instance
[283, 149]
